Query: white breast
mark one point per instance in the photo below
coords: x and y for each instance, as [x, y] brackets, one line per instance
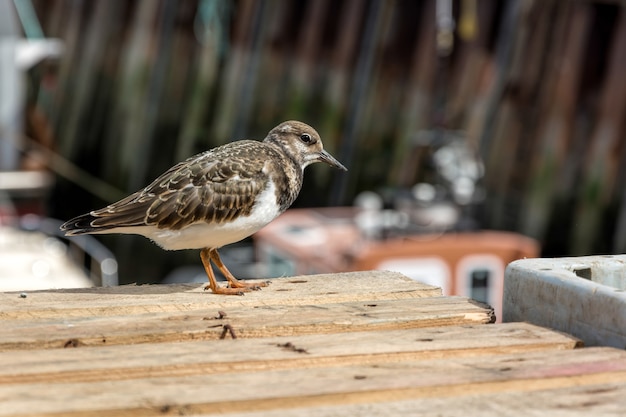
[205, 235]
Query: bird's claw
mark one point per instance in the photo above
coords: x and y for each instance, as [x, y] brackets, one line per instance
[237, 287]
[247, 286]
[227, 291]
[259, 285]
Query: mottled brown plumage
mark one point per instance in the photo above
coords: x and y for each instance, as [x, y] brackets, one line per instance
[216, 197]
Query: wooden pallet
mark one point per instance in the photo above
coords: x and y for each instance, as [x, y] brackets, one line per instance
[369, 343]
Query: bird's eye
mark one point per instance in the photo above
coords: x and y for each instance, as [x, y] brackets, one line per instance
[306, 138]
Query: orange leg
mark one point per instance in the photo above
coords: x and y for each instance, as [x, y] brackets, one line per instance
[206, 256]
[232, 281]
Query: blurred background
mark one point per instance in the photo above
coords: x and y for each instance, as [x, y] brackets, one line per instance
[454, 116]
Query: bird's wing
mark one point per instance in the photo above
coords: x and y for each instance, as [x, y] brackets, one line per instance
[213, 187]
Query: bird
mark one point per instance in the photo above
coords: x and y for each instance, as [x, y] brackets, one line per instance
[216, 198]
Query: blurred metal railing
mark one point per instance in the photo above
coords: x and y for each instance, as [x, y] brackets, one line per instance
[97, 261]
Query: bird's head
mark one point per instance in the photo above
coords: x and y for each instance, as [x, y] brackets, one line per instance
[301, 142]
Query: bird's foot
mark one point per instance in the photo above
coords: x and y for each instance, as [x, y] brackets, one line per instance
[227, 291]
[254, 286]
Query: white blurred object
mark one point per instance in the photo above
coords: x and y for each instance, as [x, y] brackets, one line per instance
[34, 261]
[30, 52]
[445, 27]
[12, 97]
[367, 218]
[25, 182]
[16, 56]
[368, 200]
[372, 220]
[424, 192]
[459, 166]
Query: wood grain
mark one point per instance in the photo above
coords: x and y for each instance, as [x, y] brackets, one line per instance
[361, 344]
[132, 299]
[308, 351]
[366, 383]
[255, 321]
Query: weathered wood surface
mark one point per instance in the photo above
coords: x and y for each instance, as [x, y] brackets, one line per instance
[301, 387]
[290, 306]
[217, 356]
[178, 298]
[361, 344]
[256, 321]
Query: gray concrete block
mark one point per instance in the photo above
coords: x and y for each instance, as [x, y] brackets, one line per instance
[581, 296]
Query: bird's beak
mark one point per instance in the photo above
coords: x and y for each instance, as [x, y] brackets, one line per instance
[330, 160]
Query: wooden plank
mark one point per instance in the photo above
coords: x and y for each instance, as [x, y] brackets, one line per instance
[111, 363]
[587, 400]
[130, 299]
[339, 343]
[367, 383]
[247, 321]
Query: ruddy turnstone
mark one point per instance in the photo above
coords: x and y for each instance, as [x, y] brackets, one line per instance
[216, 198]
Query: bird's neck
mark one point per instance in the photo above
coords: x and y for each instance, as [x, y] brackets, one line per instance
[288, 175]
